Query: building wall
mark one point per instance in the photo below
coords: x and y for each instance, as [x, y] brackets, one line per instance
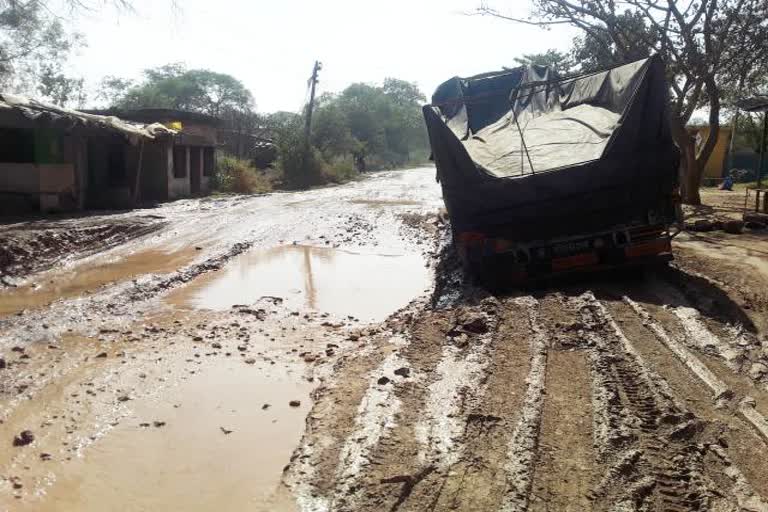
[206, 185]
[715, 166]
[76, 151]
[52, 185]
[40, 177]
[57, 187]
[19, 178]
[178, 187]
[154, 170]
[207, 132]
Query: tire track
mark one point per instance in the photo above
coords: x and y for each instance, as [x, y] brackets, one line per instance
[566, 463]
[375, 418]
[477, 481]
[657, 463]
[407, 464]
[457, 387]
[720, 390]
[522, 448]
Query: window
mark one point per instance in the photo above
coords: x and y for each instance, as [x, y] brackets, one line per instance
[179, 161]
[208, 161]
[17, 146]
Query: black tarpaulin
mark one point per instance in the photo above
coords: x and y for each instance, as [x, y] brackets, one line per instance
[533, 156]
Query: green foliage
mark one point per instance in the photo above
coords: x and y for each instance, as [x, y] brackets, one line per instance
[301, 166]
[599, 49]
[240, 177]
[33, 46]
[112, 89]
[560, 62]
[749, 131]
[378, 126]
[340, 170]
[174, 86]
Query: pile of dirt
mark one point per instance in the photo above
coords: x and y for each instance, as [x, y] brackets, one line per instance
[33, 246]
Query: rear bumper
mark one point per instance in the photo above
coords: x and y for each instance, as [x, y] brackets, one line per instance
[499, 261]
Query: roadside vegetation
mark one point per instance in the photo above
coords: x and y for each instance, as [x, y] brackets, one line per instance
[238, 176]
[366, 127]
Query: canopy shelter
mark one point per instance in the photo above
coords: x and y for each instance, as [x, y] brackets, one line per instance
[758, 104]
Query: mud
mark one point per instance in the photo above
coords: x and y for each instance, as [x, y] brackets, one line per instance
[30, 246]
[94, 274]
[322, 351]
[365, 285]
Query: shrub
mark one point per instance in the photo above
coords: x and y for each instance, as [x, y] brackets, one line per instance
[300, 169]
[240, 177]
[340, 170]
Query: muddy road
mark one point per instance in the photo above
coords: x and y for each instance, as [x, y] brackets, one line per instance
[319, 351]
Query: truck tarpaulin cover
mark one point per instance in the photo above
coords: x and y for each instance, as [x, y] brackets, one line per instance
[525, 155]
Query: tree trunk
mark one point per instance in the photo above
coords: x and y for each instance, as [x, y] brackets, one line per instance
[690, 174]
[690, 181]
[691, 163]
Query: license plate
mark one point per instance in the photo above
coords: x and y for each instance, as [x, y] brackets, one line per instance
[570, 247]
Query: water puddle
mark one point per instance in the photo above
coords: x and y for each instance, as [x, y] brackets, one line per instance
[367, 286]
[89, 276]
[216, 448]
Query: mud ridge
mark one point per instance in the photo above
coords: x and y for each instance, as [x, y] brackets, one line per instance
[719, 389]
[660, 463]
[28, 248]
[457, 385]
[521, 452]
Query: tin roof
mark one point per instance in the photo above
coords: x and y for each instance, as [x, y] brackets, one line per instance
[68, 119]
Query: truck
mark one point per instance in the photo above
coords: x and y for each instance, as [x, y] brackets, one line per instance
[545, 175]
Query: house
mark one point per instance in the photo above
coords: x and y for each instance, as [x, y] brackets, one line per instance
[57, 159]
[179, 166]
[715, 168]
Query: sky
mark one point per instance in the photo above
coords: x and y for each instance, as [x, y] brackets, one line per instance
[271, 45]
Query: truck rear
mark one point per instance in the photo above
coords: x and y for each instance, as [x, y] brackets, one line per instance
[544, 176]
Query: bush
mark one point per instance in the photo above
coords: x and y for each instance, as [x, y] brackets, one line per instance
[240, 177]
[340, 170]
[300, 169]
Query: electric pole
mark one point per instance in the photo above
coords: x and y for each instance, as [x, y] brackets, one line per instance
[311, 106]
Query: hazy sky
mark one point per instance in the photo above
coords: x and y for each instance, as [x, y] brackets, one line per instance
[270, 45]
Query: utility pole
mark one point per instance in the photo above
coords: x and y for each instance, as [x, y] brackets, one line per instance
[762, 154]
[308, 127]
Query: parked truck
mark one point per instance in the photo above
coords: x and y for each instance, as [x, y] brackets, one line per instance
[543, 175]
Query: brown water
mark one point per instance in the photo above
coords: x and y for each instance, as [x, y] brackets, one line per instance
[87, 277]
[189, 463]
[368, 286]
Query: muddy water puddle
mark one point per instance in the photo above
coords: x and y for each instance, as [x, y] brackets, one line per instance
[368, 286]
[89, 276]
[210, 444]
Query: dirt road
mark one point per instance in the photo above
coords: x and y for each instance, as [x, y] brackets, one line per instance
[319, 351]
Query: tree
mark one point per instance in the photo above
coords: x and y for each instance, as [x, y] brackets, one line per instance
[330, 131]
[403, 92]
[61, 89]
[708, 46]
[174, 86]
[111, 89]
[385, 122]
[33, 42]
[560, 62]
